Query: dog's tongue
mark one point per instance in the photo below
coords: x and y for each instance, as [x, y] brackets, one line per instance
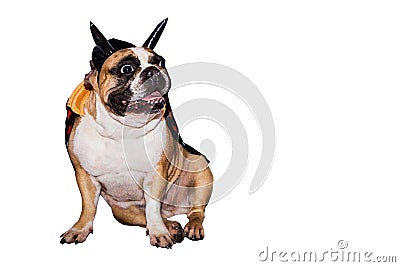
[152, 96]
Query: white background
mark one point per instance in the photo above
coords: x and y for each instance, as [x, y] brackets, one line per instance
[329, 71]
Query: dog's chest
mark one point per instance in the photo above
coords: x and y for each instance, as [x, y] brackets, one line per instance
[120, 160]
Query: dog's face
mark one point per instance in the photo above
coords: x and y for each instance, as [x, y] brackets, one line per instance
[134, 81]
[131, 81]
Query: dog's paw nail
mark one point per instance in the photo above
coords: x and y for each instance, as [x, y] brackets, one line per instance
[76, 236]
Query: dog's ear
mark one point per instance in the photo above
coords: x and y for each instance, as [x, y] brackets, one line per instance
[101, 41]
[155, 35]
[90, 80]
[92, 66]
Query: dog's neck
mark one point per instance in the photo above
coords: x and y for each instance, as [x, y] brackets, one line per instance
[115, 127]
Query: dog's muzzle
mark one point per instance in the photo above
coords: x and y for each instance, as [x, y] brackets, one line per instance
[148, 99]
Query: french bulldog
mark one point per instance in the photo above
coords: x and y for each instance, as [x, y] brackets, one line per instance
[125, 146]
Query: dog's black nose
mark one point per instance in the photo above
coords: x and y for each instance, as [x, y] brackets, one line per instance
[149, 72]
[151, 79]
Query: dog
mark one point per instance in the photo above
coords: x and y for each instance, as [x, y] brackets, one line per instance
[124, 145]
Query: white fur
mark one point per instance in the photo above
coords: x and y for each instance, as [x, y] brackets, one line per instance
[117, 156]
[142, 55]
[155, 223]
[143, 58]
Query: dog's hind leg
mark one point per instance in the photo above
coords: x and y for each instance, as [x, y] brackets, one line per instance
[176, 231]
[129, 216]
[135, 216]
[198, 199]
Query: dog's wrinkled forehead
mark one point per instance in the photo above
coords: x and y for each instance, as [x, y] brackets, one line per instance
[105, 48]
[138, 57]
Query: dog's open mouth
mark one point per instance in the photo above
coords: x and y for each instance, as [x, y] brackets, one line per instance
[150, 104]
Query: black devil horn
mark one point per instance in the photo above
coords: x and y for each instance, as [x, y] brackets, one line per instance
[155, 35]
[100, 40]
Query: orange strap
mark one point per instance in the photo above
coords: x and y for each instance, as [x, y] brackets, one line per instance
[78, 99]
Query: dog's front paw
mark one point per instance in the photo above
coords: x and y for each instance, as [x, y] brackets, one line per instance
[159, 236]
[194, 230]
[75, 235]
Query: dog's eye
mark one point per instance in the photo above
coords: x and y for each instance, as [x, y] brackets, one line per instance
[162, 63]
[126, 69]
[157, 60]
